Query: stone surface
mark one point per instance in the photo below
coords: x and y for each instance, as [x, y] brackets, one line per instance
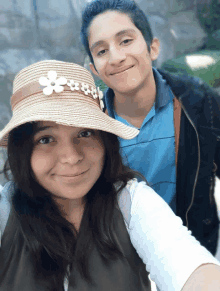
[11, 62]
[3, 157]
[58, 24]
[17, 24]
[78, 5]
[216, 35]
[18, 6]
[68, 54]
[5, 116]
[164, 7]
[187, 32]
[161, 29]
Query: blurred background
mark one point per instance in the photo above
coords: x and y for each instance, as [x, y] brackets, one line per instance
[34, 30]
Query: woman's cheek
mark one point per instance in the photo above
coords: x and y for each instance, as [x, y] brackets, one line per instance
[41, 163]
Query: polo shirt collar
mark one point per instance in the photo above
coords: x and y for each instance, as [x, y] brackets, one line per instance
[163, 92]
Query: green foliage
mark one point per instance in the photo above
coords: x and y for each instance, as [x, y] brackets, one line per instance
[212, 44]
[209, 15]
[210, 74]
[101, 85]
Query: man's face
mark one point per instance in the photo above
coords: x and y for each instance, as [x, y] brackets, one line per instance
[120, 53]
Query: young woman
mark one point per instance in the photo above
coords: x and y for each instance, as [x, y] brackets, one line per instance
[74, 217]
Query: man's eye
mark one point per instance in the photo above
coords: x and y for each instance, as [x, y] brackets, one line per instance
[100, 53]
[45, 140]
[86, 133]
[126, 41]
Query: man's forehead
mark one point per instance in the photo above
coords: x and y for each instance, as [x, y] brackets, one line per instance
[110, 21]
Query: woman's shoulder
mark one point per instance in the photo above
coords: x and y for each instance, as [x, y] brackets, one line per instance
[7, 191]
[5, 204]
[129, 193]
[135, 188]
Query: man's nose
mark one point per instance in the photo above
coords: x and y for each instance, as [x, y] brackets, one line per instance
[116, 56]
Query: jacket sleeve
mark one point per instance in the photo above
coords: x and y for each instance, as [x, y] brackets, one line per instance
[217, 159]
[216, 123]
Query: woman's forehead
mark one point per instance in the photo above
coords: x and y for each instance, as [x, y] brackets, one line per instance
[43, 125]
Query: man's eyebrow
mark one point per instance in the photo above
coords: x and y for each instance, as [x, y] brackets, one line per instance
[97, 43]
[125, 31]
[101, 42]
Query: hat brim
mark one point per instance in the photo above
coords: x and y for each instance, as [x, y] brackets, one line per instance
[71, 111]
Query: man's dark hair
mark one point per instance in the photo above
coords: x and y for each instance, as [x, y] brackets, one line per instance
[53, 241]
[128, 7]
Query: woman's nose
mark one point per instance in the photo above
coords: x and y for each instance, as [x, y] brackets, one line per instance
[70, 153]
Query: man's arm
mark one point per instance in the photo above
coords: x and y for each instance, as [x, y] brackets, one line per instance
[215, 107]
[204, 278]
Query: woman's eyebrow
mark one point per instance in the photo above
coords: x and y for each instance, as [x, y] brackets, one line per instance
[42, 128]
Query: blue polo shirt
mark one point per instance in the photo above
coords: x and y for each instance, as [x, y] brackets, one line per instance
[152, 152]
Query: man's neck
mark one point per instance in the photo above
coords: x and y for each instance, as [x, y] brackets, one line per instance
[135, 106]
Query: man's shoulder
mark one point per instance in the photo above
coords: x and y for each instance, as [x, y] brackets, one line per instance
[182, 82]
[186, 86]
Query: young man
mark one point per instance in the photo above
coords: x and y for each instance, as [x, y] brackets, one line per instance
[178, 147]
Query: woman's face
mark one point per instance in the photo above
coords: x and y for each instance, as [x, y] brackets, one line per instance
[67, 161]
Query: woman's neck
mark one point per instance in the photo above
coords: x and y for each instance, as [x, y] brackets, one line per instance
[73, 210]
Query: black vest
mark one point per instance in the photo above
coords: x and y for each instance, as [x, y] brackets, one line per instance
[121, 275]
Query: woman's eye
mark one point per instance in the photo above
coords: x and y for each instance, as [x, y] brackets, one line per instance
[45, 140]
[86, 133]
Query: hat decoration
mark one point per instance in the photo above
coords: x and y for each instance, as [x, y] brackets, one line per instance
[52, 83]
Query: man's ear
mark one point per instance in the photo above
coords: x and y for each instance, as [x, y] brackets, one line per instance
[92, 68]
[155, 49]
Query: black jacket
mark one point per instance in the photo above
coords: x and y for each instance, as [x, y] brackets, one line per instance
[198, 157]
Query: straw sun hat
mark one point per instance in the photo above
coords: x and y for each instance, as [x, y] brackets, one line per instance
[61, 92]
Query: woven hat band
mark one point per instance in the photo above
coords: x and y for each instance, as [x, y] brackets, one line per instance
[36, 88]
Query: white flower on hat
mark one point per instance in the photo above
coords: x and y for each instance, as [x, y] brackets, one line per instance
[85, 88]
[73, 85]
[101, 104]
[52, 83]
[94, 93]
[100, 93]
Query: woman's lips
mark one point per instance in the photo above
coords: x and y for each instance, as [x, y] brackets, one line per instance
[71, 178]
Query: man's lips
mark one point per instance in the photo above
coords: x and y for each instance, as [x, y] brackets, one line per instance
[121, 70]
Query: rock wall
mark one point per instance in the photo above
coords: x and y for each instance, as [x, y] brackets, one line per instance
[34, 30]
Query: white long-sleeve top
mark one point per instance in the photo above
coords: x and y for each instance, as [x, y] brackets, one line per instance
[168, 249]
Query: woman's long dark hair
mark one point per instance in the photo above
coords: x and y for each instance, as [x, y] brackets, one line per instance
[52, 240]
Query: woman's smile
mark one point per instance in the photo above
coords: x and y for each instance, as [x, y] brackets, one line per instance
[69, 179]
